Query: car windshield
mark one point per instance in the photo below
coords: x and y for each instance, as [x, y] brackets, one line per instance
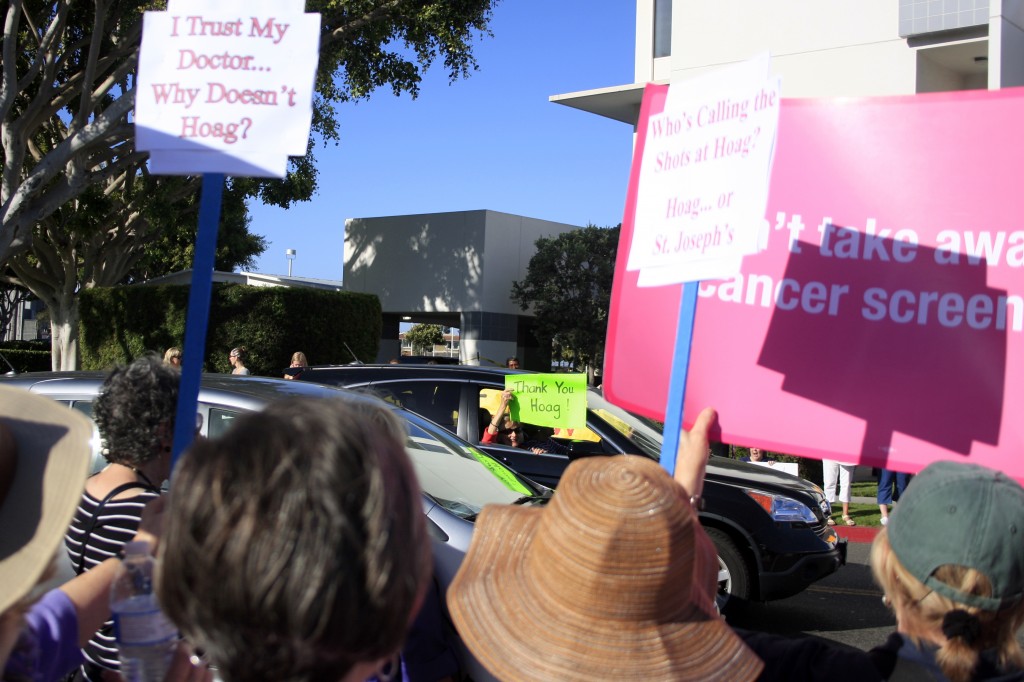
[458, 476]
[645, 433]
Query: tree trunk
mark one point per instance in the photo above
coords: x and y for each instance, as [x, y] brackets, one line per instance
[64, 330]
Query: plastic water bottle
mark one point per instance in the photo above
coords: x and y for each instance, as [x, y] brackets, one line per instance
[145, 637]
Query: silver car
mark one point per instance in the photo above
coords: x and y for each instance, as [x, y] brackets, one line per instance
[457, 478]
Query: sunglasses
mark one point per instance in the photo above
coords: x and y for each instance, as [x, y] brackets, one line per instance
[515, 429]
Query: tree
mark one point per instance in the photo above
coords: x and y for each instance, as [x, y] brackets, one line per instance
[95, 241]
[11, 299]
[68, 153]
[568, 286]
[422, 337]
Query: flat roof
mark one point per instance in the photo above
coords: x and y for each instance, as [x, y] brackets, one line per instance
[618, 102]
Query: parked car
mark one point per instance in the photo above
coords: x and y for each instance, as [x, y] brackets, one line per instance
[457, 478]
[769, 528]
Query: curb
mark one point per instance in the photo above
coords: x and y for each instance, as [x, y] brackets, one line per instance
[857, 533]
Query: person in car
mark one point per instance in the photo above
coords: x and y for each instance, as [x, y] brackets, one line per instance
[504, 430]
[295, 545]
[134, 413]
[620, 575]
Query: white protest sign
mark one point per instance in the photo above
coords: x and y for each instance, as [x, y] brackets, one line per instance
[226, 87]
[704, 176]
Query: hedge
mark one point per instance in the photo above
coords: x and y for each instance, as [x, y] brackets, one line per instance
[119, 324]
[26, 356]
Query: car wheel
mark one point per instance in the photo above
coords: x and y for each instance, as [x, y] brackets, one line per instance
[733, 573]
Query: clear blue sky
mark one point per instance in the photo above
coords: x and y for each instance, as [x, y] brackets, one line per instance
[492, 141]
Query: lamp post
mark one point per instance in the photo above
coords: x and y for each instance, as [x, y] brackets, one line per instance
[290, 255]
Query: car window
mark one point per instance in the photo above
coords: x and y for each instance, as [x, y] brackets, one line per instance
[645, 433]
[460, 478]
[219, 421]
[438, 401]
[83, 406]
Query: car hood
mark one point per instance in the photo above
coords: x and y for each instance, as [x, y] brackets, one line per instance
[748, 475]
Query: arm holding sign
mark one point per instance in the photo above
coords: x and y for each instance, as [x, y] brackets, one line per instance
[491, 432]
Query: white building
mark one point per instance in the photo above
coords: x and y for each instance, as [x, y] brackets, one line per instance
[824, 48]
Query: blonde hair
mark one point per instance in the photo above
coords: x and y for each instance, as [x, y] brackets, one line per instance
[922, 613]
[300, 358]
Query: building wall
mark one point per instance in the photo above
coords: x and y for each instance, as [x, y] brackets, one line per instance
[452, 268]
[837, 48]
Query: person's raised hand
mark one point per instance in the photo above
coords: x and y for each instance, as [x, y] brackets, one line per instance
[692, 456]
[691, 462]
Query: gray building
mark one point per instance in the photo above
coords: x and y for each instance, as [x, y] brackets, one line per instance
[454, 269]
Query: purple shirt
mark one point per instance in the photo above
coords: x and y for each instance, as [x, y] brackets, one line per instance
[47, 647]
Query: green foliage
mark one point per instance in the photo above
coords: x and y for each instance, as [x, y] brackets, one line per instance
[26, 356]
[119, 324]
[173, 247]
[424, 336]
[72, 67]
[568, 285]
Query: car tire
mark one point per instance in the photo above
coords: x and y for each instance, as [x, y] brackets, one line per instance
[734, 584]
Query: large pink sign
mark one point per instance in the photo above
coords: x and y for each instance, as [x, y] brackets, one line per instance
[884, 324]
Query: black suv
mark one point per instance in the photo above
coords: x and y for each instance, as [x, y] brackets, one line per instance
[769, 527]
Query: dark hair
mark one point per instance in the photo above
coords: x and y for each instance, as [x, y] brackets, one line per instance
[295, 544]
[135, 410]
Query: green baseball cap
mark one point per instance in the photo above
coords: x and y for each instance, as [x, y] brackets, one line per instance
[964, 515]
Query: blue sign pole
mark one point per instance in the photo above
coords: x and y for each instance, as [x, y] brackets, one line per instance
[197, 321]
[677, 379]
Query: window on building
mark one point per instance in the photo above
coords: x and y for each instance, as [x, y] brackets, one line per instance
[662, 28]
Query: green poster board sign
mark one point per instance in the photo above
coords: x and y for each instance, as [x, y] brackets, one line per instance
[557, 400]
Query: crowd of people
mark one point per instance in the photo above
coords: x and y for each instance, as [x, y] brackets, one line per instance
[294, 547]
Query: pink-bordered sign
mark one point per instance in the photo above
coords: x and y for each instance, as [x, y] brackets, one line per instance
[883, 324]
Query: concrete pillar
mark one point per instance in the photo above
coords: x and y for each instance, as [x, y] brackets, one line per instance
[390, 346]
[488, 338]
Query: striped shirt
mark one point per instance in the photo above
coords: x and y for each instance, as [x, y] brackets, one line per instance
[115, 526]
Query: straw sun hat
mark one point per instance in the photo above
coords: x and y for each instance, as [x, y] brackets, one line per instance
[612, 580]
[44, 457]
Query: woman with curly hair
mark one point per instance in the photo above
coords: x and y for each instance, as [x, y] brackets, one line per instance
[135, 416]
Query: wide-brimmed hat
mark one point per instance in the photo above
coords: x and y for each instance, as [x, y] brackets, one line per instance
[965, 515]
[613, 579]
[42, 474]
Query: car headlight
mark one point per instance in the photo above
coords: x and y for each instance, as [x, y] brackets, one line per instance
[782, 508]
